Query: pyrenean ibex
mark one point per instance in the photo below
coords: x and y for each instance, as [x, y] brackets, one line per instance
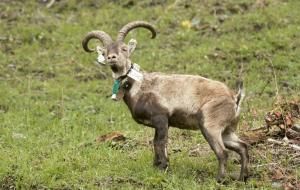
[182, 101]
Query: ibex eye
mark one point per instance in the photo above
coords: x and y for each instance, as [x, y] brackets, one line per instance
[124, 49]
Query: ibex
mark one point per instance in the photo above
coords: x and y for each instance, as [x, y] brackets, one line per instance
[184, 101]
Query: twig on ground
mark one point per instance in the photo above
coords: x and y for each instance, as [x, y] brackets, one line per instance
[261, 165]
[295, 147]
[49, 5]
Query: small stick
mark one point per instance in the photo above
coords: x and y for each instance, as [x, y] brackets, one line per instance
[49, 5]
[268, 164]
[295, 147]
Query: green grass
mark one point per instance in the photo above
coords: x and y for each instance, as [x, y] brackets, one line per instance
[55, 100]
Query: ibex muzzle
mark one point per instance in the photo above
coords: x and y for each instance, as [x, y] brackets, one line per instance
[161, 101]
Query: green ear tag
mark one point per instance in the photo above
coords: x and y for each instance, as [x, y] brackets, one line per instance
[115, 89]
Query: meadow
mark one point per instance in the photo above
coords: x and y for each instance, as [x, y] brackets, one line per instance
[55, 100]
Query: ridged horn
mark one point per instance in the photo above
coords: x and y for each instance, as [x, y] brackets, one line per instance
[100, 35]
[132, 25]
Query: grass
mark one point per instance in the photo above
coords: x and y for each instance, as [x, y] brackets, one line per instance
[55, 100]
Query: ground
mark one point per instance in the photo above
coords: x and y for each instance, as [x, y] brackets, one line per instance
[55, 101]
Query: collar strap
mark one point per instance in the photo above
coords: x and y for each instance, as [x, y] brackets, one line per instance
[118, 82]
[122, 77]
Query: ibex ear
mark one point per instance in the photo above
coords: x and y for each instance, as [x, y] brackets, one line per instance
[100, 52]
[131, 45]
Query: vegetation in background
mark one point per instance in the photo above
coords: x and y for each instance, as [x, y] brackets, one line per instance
[55, 101]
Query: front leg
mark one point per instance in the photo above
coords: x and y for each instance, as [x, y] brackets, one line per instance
[160, 141]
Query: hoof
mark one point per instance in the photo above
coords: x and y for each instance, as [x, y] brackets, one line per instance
[238, 177]
[243, 178]
[221, 179]
[161, 165]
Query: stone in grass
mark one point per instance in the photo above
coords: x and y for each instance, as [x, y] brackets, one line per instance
[18, 136]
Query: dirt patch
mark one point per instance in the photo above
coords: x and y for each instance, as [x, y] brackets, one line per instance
[4, 108]
[277, 143]
[117, 141]
[200, 150]
[8, 182]
[87, 78]
[36, 73]
[279, 165]
[113, 136]
[109, 182]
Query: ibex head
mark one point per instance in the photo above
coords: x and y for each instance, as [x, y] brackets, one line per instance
[117, 53]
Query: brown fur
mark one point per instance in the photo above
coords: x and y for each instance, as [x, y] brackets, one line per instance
[189, 102]
[183, 101]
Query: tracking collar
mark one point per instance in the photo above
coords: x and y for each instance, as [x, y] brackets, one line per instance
[133, 73]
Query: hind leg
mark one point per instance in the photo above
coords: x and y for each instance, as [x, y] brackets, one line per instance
[232, 142]
[214, 139]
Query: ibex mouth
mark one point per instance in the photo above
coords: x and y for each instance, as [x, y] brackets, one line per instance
[114, 67]
[112, 62]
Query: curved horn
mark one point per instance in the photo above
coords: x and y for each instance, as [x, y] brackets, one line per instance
[132, 25]
[100, 35]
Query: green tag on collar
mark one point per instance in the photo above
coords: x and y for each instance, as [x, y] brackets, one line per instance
[116, 88]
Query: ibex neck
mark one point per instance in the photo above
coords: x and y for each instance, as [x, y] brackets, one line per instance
[131, 95]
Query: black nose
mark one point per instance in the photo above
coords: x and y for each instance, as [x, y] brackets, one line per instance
[112, 57]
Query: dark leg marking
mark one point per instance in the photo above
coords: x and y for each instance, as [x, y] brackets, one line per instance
[160, 141]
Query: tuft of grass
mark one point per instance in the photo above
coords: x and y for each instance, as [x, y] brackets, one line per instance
[55, 100]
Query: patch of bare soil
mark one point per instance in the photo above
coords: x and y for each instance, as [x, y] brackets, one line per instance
[8, 182]
[113, 136]
[108, 182]
[278, 144]
[118, 141]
